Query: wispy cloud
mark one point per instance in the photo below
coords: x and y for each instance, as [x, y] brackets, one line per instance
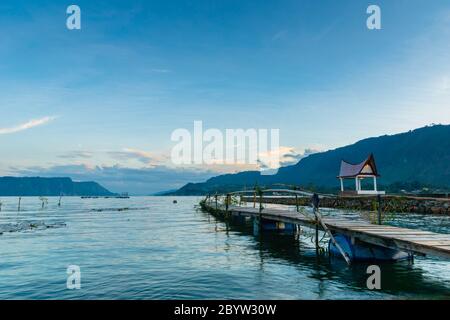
[161, 70]
[76, 154]
[280, 35]
[145, 157]
[27, 125]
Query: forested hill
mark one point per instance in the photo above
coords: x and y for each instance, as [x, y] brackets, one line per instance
[416, 158]
[36, 186]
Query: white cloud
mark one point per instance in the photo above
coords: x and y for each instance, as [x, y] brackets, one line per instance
[144, 156]
[286, 156]
[27, 125]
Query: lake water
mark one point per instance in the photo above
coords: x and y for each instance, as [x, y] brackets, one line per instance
[160, 250]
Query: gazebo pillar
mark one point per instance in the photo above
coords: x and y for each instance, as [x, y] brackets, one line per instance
[375, 183]
[342, 184]
[356, 183]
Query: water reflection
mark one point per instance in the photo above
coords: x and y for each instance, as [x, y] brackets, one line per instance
[399, 279]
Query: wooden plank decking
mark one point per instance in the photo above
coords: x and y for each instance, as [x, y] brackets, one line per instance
[409, 240]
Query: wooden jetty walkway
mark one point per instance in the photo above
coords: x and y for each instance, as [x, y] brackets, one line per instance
[409, 240]
[352, 239]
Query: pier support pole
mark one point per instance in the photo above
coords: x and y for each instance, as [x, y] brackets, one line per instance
[315, 203]
[18, 208]
[379, 209]
[216, 200]
[260, 202]
[317, 236]
[296, 202]
[256, 226]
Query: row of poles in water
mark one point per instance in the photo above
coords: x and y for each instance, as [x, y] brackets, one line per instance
[44, 202]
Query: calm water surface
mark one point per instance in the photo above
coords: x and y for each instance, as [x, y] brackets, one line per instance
[161, 250]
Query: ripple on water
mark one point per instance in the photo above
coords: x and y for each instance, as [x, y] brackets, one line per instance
[150, 248]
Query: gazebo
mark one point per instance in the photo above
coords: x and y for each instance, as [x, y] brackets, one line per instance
[360, 171]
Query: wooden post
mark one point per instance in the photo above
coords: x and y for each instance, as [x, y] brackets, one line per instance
[256, 226]
[18, 208]
[296, 202]
[254, 199]
[317, 235]
[227, 202]
[379, 209]
[315, 203]
[59, 202]
[260, 202]
[216, 200]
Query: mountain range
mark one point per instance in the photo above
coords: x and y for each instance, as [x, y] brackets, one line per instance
[37, 186]
[414, 159]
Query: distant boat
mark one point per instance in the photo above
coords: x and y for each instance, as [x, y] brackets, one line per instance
[123, 195]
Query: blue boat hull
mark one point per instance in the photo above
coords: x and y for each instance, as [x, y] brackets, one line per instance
[361, 251]
[277, 226]
[269, 225]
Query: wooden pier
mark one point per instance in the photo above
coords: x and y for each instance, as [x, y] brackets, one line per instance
[391, 203]
[408, 240]
[412, 241]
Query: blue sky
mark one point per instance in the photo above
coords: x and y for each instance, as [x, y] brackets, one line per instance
[101, 102]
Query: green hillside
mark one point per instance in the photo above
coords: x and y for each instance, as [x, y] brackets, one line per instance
[418, 158]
